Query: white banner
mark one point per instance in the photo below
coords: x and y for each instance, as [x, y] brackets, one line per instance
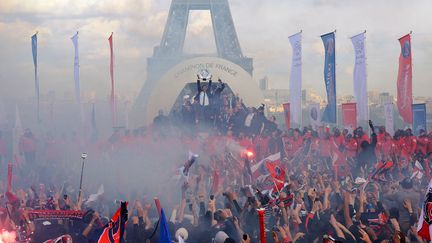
[388, 115]
[360, 79]
[314, 115]
[76, 69]
[296, 80]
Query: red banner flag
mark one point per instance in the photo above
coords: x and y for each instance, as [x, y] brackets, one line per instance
[349, 115]
[112, 98]
[404, 81]
[114, 230]
[9, 177]
[287, 113]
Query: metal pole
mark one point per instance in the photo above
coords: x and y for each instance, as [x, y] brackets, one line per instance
[80, 186]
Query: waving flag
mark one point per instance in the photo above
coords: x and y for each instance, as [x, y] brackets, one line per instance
[114, 230]
[360, 78]
[424, 227]
[329, 115]
[164, 235]
[404, 81]
[259, 169]
[269, 172]
[34, 52]
[277, 173]
[296, 78]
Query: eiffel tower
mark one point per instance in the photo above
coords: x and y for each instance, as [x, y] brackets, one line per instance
[170, 50]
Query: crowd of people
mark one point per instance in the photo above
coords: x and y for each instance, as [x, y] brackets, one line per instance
[314, 184]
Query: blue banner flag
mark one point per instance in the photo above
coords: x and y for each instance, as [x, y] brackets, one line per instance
[164, 235]
[34, 52]
[329, 115]
[419, 117]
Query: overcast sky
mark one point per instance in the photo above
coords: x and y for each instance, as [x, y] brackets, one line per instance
[262, 27]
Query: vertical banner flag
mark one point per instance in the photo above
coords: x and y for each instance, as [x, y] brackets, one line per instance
[404, 81]
[164, 235]
[287, 112]
[34, 52]
[349, 116]
[296, 79]
[329, 115]
[112, 98]
[314, 115]
[76, 69]
[419, 117]
[360, 79]
[388, 115]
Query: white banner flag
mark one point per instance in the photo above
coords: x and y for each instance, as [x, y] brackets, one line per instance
[388, 115]
[76, 69]
[296, 79]
[314, 115]
[360, 79]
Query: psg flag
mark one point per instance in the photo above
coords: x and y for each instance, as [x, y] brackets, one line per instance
[424, 225]
[114, 230]
[404, 81]
[329, 115]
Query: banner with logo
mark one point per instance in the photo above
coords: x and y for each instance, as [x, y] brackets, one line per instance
[360, 78]
[329, 115]
[419, 117]
[388, 116]
[296, 79]
[349, 116]
[55, 214]
[404, 81]
[314, 115]
[287, 112]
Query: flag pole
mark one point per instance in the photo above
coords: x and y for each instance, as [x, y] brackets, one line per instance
[83, 157]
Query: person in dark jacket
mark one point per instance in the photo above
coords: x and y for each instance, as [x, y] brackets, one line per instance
[367, 156]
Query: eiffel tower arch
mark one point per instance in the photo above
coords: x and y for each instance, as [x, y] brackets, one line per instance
[169, 53]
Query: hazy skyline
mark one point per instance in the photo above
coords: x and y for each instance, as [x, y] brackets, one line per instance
[263, 28]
